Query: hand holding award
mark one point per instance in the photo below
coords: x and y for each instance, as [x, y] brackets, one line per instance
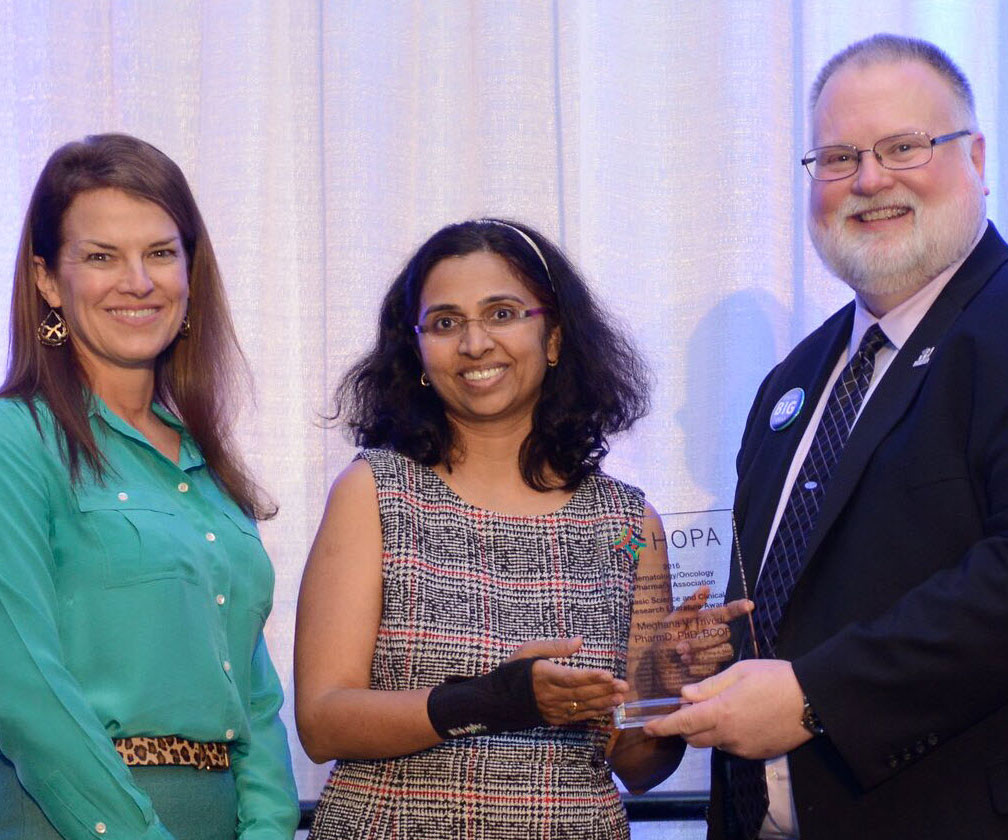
[679, 631]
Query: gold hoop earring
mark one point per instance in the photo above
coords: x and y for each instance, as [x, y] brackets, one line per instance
[185, 328]
[424, 380]
[53, 331]
[552, 363]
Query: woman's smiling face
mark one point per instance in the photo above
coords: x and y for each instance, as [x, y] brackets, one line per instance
[120, 280]
[482, 375]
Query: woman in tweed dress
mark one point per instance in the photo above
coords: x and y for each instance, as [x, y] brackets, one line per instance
[464, 614]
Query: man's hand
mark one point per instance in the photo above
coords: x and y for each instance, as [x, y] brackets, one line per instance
[753, 709]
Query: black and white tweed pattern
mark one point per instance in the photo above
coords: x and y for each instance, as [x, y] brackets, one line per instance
[464, 587]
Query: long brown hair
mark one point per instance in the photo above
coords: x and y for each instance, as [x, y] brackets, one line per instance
[195, 377]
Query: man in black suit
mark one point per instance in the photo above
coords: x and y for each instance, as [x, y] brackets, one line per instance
[872, 497]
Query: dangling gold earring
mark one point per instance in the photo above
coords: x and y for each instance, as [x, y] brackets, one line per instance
[185, 328]
[53, 332]
[424, 380]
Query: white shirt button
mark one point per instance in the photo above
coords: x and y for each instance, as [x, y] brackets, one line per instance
[211, 536]
[183, 487]
[227, 665]
[100, 827]
[220, 600]
[229, 734]
[123, 497]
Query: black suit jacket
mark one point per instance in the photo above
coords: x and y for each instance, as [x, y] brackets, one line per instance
[898, 624]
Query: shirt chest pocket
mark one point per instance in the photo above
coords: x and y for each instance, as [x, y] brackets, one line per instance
[141, 535]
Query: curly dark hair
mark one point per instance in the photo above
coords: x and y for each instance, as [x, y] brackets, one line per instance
[599, 387]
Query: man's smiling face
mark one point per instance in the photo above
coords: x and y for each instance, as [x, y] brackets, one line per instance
[884, 232]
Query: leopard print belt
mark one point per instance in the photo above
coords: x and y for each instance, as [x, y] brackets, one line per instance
[143, 751]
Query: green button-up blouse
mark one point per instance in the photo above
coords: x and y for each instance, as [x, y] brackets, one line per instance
[131, 606]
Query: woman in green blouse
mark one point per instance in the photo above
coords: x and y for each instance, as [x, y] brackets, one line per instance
[138, 699]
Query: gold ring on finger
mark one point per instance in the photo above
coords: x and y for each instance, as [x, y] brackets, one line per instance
[572, 708]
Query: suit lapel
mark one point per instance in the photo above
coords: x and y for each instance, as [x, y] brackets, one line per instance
[807, 368]
[902, 380]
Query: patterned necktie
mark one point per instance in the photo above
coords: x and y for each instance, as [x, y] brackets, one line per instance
[787, 551]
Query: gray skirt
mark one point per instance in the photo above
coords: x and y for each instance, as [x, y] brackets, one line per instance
[193, 804]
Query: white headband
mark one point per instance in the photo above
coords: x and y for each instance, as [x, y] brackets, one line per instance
[530, 242]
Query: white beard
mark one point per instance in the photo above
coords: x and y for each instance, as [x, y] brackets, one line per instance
[878, 266]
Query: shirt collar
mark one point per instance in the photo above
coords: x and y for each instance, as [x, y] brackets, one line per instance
[899, 322]
[189, 453]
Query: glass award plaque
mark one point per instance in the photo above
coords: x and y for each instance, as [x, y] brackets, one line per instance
[681, 628]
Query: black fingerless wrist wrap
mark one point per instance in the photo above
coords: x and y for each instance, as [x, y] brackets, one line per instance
[501, 701]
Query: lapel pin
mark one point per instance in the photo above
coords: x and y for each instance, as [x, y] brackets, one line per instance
[787, 409]
[924, 357]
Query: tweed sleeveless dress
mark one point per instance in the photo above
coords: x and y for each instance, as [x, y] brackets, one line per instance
[464, 587]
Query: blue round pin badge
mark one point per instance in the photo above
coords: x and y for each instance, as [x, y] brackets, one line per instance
[787, 409]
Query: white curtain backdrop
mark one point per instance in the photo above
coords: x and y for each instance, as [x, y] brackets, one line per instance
[658, 142]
